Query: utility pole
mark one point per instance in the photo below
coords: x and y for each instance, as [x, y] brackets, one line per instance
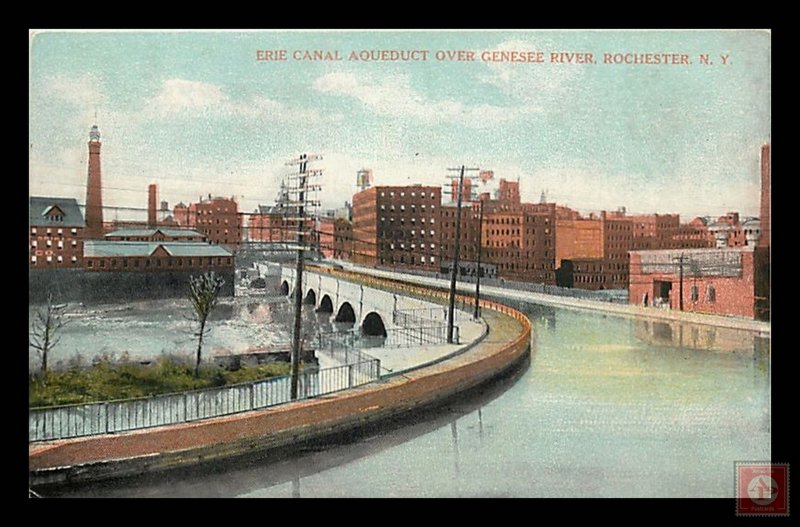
[301, 202]
[680, 259]
[480, 248]
[456, 249]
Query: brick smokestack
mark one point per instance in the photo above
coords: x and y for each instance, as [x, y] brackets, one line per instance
[152, 199]
[94, 188]
[766, 194]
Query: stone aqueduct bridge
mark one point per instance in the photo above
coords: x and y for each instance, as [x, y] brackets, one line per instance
[280, 429]
[374, 310]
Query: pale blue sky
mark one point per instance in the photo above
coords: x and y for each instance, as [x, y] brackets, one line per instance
[196, 113]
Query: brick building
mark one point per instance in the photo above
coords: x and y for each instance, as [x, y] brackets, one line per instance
[518, 240]
[217, 218]
[342, 238]
[324, 235]
[397, 226]
[717, 280]
[56, 227]
[272, 224]
[107, 255]
[732, 231]
[158, 234]
[592, 253]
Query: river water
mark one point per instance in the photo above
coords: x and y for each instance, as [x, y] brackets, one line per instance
[607, 407]
[147, 330]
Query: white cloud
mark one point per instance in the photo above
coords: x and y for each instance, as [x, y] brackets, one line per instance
[84, 91]
[395, 97]
[534, 83]
[182, 96]
[179, 95]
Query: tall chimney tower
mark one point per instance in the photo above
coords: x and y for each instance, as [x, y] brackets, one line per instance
[766, 195]
[152, 199]
[94, 188]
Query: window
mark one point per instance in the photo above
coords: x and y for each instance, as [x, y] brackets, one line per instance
[402, 194]
[383, 207]
[391, 194]
[33, 230]
[33, 243]
[413, 194]
[431, 233]
[74, 231]
[422, 259]
[402, 207]
[60, 244]
[433, 259]
[694, 292]
[60, 231]
[33, 259]
[74, 259]
[383, 194]
[74, 243]
[48, 231]
[711, 294]
[48, 243]
[60, 258]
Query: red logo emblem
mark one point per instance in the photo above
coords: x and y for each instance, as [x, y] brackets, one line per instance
[762, 489]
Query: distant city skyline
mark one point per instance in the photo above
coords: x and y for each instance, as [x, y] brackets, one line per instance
[196, 113]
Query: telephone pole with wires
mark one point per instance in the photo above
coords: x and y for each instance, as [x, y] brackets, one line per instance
[456, 250]
[299, 204]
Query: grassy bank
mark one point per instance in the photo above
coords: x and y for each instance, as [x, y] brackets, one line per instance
[107, 381]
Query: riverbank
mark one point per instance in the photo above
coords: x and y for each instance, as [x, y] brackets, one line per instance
[107, 381]
[162, 448]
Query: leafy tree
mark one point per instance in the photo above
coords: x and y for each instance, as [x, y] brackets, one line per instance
[203, 294]
[47, 324]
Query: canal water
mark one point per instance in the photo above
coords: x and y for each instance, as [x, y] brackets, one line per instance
[607, 407]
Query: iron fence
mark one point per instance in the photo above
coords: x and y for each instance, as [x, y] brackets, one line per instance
[61, 422]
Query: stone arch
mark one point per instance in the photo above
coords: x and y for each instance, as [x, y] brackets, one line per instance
[284, 288]
[346, 313]
[325, 305]
[311, 297]
[373, 325]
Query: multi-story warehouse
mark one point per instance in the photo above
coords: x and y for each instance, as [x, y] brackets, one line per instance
[397, 226]
[56, 228]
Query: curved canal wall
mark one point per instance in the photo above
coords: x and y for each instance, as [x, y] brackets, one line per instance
[156, 449]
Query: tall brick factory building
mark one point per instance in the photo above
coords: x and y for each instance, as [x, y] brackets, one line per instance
[397, 226]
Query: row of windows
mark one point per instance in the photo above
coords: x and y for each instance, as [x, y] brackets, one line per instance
[211, 211]
[49, 243]
[711, 293]
[402, 246]
[413, 220]
[398, 234]
[412, 207]
[49, 259]
[411, 260]
[413, 194]
[157, 262]
[48, 230]
[211, 222]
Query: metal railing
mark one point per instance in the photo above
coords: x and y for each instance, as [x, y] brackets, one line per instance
[61, 422]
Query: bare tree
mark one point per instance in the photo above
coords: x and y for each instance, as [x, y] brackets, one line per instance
[203, 294]
[47, 323]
